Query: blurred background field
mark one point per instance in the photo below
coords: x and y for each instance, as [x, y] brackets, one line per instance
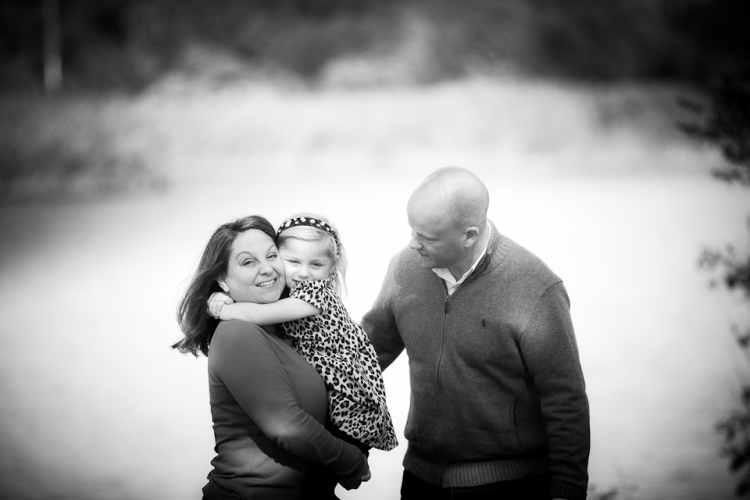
[138, 92]
[169, 118]
[84, 147]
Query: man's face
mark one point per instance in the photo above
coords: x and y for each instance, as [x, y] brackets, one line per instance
[433, 235]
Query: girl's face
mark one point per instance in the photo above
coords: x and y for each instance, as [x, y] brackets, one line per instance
[305, 260]
[255, 272]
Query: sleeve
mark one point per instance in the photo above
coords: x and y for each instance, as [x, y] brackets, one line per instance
[380, 323]
[550, 351]
[315, 293]
[248, 365]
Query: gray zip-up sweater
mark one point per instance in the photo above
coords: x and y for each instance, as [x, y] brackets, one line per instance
[497, 390]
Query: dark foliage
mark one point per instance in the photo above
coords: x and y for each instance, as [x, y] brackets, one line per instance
[116, 44]
[720, 25]
[735, 430]
[121, 44]
[727, 126]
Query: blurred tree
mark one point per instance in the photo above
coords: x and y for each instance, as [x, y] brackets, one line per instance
[716, 31]
[52, 48]
[727, 126]
[20, 43]
[115, 44]
[82, 39]
[582, 39]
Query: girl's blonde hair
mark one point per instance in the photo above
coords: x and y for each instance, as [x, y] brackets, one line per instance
[334, 248]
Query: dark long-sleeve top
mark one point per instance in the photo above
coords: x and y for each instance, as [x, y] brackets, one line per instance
[268, 407]
[497, 390]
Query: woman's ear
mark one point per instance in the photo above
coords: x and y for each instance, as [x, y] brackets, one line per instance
[223, 286]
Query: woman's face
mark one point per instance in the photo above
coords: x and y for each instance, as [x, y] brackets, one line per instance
[255, 272]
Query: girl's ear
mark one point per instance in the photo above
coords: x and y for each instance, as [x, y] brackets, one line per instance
[223, 285]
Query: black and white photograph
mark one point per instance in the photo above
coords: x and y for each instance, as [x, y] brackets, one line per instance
[392, 250]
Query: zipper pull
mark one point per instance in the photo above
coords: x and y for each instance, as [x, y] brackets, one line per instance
[447, 306]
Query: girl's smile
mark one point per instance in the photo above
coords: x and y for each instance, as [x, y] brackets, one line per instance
[305, 260]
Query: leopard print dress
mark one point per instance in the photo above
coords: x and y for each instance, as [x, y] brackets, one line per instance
[340, 351]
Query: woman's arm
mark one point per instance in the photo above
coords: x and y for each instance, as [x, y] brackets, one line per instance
[280, 311]
[247, 363]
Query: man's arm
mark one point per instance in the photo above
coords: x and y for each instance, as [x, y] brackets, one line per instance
[380, 324]
[383, 333]
[386, 354]
[551, 354]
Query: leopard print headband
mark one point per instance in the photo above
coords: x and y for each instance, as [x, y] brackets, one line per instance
[311, 222]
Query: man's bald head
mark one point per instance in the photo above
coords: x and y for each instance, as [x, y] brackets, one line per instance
[448, 217]
[456, 192]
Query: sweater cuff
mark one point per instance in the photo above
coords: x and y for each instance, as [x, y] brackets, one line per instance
[566, 491]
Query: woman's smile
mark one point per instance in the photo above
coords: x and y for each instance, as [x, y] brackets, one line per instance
[268, 283]
[255, 272]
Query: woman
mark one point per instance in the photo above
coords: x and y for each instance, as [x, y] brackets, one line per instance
[268, 404]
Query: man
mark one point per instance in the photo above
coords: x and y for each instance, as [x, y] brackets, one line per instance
[498, 403]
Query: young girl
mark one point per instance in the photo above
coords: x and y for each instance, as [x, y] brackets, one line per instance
[323, 332]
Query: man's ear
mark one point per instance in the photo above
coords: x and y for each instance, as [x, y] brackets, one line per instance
[471, 233]
[223, 285]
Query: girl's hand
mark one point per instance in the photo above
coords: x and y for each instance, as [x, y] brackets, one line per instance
[216, 301]
[353, 484]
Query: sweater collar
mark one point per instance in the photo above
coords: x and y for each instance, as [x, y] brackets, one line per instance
[450, 281]
[498, 248]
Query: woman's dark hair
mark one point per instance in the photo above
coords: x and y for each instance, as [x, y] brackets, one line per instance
[192, 314]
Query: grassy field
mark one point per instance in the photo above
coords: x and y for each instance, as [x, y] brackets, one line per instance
[595, 180]
[75, 147]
